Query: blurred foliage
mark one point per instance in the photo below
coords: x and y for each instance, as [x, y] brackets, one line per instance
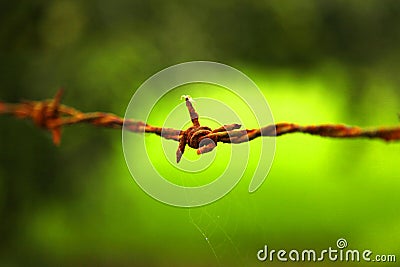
[315, 61]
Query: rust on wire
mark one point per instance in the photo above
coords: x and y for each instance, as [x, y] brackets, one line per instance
[52, 116]
[199, 137]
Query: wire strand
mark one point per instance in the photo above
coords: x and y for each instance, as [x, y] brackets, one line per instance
[51, 115]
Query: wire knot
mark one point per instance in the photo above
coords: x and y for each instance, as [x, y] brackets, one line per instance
[202, 138]
[45, 114]
[196, 135]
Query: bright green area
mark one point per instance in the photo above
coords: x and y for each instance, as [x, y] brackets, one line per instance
[77, 205]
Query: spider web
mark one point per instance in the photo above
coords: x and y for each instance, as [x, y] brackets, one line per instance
[218, 228]
[222, 225]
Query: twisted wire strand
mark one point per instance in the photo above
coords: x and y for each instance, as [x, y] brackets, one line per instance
[52, 115]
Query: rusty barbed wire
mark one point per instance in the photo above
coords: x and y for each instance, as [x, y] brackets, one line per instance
[52, 115]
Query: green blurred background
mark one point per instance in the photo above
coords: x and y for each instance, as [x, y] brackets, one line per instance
[315, 61]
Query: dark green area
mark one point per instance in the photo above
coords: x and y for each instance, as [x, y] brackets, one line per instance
[315, 61]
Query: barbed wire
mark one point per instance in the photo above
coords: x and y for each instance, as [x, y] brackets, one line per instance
[51, 115]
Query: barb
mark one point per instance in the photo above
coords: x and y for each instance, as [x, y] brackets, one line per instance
[52, 116]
